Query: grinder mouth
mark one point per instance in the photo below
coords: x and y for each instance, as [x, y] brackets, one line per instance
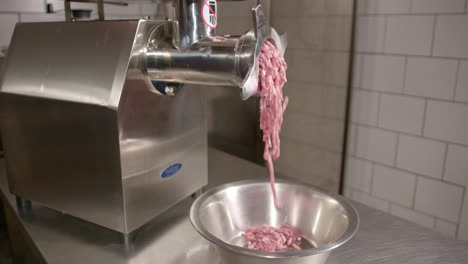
[249, 48]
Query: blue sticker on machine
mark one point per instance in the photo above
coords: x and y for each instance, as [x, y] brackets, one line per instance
[171, 170]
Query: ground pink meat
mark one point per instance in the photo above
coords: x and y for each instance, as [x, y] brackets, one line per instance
[272, 77]
[267, 238]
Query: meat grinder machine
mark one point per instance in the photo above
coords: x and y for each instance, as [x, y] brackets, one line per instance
[104, 121]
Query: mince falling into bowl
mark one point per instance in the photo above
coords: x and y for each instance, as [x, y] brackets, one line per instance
[222, 215]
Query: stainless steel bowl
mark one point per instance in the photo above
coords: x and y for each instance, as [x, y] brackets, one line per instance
[326, 220]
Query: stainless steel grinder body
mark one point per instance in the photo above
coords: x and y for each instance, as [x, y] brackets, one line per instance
[94, 120]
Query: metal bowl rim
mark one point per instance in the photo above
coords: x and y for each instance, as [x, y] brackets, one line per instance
[345, 237]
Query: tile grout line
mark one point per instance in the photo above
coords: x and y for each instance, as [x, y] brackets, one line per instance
[408, 208]
[410, 135]
[371, 184]
[375, 198]
[434, 24]
[314, 115]
[318, 15]
[466, 6]
[457, 75]
[411, 6]
[379, 102]
[389, 207]
[419, 212]
[423, 126]
[405, 74]
[397, 146]
[413, 96]
[445, 220]
[385, 34]
[321, 148]
[413, 202]
[460, 211]
[411, 14]
[378, 163]
[444, 164]
[391, 54]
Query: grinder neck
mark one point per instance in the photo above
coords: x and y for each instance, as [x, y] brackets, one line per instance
[197, 19]
[188, 52]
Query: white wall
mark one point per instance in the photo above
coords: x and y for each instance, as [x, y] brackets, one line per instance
[319, 36]
[408, 146]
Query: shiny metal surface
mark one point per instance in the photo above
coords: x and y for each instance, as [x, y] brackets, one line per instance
[223, 213]
[185, 52]
[85, 134]
[60, 238]
[191, 25]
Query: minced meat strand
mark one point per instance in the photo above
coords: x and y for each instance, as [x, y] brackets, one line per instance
[272, 77]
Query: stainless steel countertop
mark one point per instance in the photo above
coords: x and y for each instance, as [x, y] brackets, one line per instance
[381, 238]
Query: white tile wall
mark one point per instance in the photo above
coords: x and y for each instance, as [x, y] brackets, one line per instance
[411, 215]
[313, 130]
[298, 8]
[304, 65]
[337, 7]
[232, 25]
[292, 157]
[318, 57]
[359, 174]
[365, 107]
[451, 36]
[409, 34]
[412, 56]
[461, 92]
[422, 156]
[370, 34]
[439, 199]
[300, 126]
[376, 145]
[331, 134]
[401, 113]
[352, 139]
[370, 200]
[335, 102]
[239, 9]
[393, 185]
[437, 6]
[381, 73]
[335, 66]
[446, 228]
[431, 77]
[447, 121]
[303, 32]
[305, 97]
[337, 33]
[383, 6]
[456, 166]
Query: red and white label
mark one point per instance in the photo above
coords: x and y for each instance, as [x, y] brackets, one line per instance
[209, 13]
